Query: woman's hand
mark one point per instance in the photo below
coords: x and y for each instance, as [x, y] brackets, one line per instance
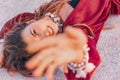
[59, 50]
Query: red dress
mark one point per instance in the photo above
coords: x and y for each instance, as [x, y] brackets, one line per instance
[91, 12]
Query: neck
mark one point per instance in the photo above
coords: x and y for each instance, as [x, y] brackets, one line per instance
[65, 11]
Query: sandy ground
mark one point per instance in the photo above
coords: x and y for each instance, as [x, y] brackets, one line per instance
[108, 44]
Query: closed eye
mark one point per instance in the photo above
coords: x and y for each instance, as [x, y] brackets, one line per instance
[33, 32]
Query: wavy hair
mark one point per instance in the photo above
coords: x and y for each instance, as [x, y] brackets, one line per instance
[15, 55]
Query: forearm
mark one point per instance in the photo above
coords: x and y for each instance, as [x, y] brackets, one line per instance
[92, 13]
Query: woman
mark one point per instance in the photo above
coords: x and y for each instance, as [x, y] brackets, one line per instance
[93, 15]
[13, 39]
[14, 47]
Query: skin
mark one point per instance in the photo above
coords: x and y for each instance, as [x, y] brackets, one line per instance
[64, 12]
[52, 51]
[36, 31]
[42, 28]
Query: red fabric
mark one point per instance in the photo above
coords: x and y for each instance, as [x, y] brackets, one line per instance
[91, 12]
[12, 22]
[115, 6]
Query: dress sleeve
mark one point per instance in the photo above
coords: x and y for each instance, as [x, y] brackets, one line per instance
[12, 22]
[115, 7]
[93, 13]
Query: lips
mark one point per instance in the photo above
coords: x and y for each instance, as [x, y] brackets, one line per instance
[48, 32]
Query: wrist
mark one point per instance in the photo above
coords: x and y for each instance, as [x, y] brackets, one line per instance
[83, 67]
[82, 55]
[79, 57]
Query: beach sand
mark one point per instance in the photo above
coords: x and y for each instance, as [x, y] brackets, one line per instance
[108, 44]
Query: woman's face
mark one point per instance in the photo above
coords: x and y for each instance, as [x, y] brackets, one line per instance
[36, 31]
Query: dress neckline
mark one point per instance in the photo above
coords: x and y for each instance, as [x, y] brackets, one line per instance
[74, 3]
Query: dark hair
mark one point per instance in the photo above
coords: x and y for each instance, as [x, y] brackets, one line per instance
[15, 55]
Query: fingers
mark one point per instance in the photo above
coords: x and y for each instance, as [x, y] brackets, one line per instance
[33, 63]
[38, 58]
[64, 68]
[50, 71]
[42, 62]
[39, 71]
[71, 36]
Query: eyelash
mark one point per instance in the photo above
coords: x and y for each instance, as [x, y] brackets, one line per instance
[33, 32]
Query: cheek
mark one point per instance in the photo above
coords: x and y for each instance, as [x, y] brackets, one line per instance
[33, 47]
[40, 27]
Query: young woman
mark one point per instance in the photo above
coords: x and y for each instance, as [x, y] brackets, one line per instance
[15, 54]
[53, 51]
